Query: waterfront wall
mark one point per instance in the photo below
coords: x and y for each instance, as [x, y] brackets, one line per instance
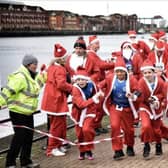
[55, 33]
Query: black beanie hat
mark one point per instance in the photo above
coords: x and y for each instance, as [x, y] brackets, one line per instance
[80, 43]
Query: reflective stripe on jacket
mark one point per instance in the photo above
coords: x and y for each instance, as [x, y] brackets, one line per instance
[21, 93]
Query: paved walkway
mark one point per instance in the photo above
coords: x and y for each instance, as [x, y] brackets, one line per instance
[104, 158]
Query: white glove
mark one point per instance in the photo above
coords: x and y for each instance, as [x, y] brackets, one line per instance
[97, 96]
[131, 96]
[100, 93]
[95, 99]
[156, 104]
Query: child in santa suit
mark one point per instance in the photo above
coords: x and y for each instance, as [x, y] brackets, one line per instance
[54, 101]
[159, 58]
[84, 99]
[120, 95]
[152, 91]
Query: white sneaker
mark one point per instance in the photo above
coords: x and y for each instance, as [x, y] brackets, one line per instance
[57, 152]
[62, 149]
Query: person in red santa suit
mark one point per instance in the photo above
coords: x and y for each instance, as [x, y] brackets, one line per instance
[132, 59]
[152, 39]
[84, 100]
[121, 94]
[150, 108]
[132, 36]
[159, 58]
[162, 37]
[80, 58]
[54, 101]
[141, 46]
[93, 47]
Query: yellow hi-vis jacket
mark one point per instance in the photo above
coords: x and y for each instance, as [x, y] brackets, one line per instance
[21, 93]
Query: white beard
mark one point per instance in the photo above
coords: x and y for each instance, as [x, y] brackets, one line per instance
[76, 61]
[127, 54]
[151, 45]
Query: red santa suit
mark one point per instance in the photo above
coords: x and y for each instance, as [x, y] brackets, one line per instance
[120, 117]
[162, 37]
[151, 114]
[142, 49]
[135, 59]
[94, 45]
[83, 113]
[86, 62]
[160, 62]
[54, 101]
[140, 46]
[103, 67]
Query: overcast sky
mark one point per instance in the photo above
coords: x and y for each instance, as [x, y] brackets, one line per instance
[143, 8]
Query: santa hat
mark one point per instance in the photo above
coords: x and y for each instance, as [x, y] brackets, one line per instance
[93, 39]
[147, 64]
[132, 33]
[59, 51]
[120, 64]
[154, 37]
[126, 43]
[80, 43]
[161, 35]
[81, 73]
[159, 46]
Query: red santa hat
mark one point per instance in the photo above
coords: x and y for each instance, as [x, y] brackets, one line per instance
[132, 33]
[126, 43]
[120, 64]
[80, 43]
[162, 35]
[81, 73]
[154, 36]
[147, 64]
[159, 46]
[93, 39]
[59, 51]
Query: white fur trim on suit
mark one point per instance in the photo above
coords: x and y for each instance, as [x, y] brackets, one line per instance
[83, 112]
[152, 116]
[105, 100]
[159, 49]
[94, 41]
[127, 90]
[155, 85]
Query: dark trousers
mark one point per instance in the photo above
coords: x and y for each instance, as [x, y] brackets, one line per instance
[22, 139]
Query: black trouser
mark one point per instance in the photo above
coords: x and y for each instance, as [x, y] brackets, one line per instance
[22, 139]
